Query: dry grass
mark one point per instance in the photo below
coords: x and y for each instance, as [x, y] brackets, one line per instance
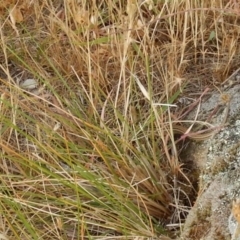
[86, 155]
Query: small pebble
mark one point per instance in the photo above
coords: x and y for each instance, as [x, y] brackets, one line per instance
[29, 84]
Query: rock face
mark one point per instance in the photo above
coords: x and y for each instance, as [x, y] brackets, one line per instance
[216, 211]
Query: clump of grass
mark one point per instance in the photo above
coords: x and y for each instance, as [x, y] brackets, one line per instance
[86, 155]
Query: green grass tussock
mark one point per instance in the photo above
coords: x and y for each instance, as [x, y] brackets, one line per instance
[85, 154]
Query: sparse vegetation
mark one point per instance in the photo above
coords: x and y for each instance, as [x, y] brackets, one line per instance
[86, 154]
